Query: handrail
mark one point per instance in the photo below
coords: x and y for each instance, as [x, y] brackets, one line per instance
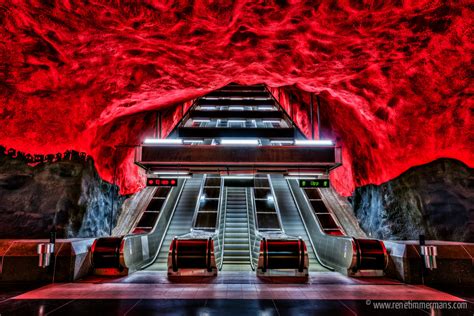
[306, 229]
[219, 206]
[248, 228]
[255, 230]
[277, 208]
[219, 267]
[217, 232]
[178, 198]
[198, 203]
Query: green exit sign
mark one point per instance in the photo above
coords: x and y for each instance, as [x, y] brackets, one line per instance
[320, 183]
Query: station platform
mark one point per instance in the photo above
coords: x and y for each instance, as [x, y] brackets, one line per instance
[235, 293]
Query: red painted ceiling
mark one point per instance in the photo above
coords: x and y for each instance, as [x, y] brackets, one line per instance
[394, 76]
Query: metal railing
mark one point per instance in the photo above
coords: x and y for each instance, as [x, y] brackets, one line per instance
[162, 224]
[198, 203]
[275, 202]
[221, 233]
[256, 237]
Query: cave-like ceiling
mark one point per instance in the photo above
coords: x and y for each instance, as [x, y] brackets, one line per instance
[396, 76]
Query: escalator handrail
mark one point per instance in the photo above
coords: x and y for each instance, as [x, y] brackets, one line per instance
[220, 218]
[256, 232]
[178, 198]
[306, 228]
[223, 233]
[277, 208]
[198, 202]
[247, 192]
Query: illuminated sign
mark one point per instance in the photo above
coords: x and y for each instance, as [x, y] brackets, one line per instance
[320, 183]
[157, 182]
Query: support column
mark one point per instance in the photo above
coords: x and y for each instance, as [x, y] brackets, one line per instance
[317, 115]
[311, 106]
[158, 125]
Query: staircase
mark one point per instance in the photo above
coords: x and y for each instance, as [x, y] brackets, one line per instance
[181, 222]
[236, 233]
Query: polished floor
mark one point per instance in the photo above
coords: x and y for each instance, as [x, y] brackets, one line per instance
[233, 293]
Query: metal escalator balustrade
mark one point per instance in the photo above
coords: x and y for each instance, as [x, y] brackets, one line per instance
[149, 217]
[121, 255]
[290, 218]
[181, 222]
[352, 256]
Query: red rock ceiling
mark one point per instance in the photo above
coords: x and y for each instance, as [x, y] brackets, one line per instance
[394, 76]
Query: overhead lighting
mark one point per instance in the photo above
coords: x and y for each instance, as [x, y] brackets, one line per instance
[266, 108]
[164, 141]
[250, 142]
[171, 172]
[236, 108]
[301, 178]
[272, 121]
[319, 142]
[190, 141]
[208, 108]
[302, 174]
[201, 121]
[286, 142]
[238, 177]
[236, 121]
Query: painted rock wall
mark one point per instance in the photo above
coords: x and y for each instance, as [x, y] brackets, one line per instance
[68, 195]
[433, 199]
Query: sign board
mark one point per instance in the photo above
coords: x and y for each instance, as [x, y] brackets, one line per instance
[319, 183]
[157, 182]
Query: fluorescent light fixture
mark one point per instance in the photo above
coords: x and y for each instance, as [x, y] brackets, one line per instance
[272, 121]
[238, 177]
[228, 141]
[303, 174]
[286, 142]
[266, 108]
[236, 108]
[300, 178]
[164, 141]
[201, 121]
[208, 108]
[236, 121]
[189, 141]
[319, 142]
[171, 172]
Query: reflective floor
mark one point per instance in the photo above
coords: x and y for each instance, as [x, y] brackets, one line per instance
[233, 293]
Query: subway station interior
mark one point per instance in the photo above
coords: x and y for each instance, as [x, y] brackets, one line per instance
[236, 157]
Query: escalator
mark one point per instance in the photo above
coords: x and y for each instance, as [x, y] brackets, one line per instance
[165, 212]
[266, 224]
[236, 230]
[291, 219]
[181, 222]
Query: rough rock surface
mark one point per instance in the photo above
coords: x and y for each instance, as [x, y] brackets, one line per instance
[395, 75]
[434, 199]
[67, 195]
